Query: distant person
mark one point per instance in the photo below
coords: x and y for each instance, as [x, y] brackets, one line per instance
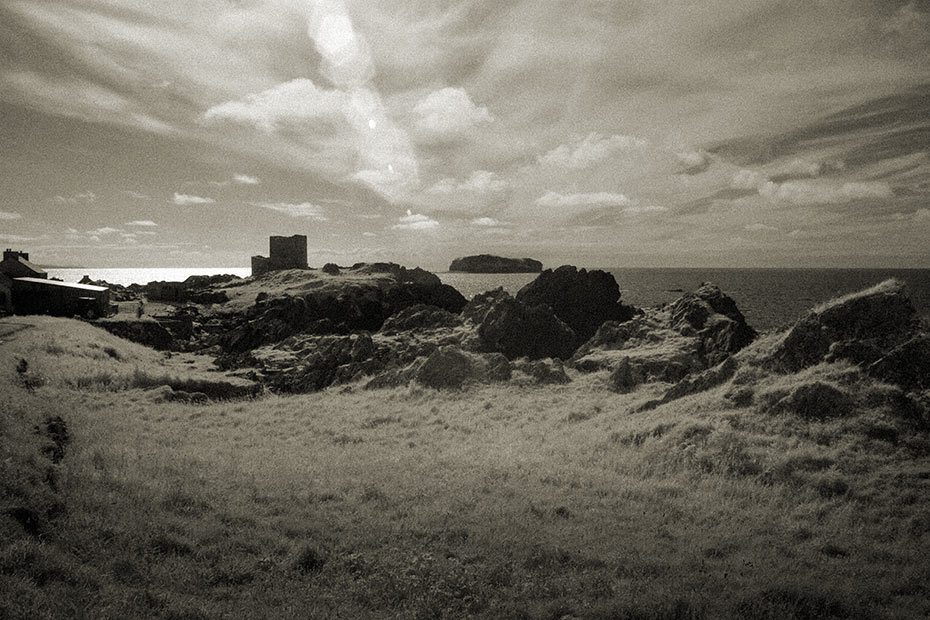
[139, 309]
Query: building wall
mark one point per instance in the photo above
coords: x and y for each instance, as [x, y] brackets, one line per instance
[6, 294]
[57, 300]
[288, 252]
[284, 253]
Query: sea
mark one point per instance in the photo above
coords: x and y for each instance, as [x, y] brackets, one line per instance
[769, 298]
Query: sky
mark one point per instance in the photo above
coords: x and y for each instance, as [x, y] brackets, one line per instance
[599, 133]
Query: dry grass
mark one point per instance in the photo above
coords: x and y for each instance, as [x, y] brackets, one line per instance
[497, 502]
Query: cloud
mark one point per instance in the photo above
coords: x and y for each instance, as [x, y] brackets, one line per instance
[106, 230]
[637, 210]
[244, 179]
[591, 150]
[83, 197]
[6, 215]
[554, 199]
[488, 222]
[818, 192]
[415, 221]
[286, 105]
[303, 209]
[185, 199]
[447, 114]
[147, 223]
[922, 215]
[748, 180]
[136, 195]
[480, 182]
[17, 238]
[695, 162]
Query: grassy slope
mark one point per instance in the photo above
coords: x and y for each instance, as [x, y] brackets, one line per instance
[498, 502]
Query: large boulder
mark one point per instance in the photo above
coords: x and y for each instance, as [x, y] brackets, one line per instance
[713, 317]
[312, 363]
[862, 327]
[582, 299]
[516, 329]
[696, 332]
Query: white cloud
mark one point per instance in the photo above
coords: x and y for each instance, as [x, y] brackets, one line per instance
[447, 114]
[480, 182]
[801, 168]
[6, 215]
[748, 180]
[554, 199]
[415, 221]
[244, 179]
[697, 160]
[591, 150]
[303, 209]
[106, 230]
[136, 195]
[17, 238]
[185, 199]
[85, 197]
[637, 210]
[818, 192]
[291, 103]
[488, 222]
[147, 223]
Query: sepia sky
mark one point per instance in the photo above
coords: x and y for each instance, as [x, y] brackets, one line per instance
[598, 133]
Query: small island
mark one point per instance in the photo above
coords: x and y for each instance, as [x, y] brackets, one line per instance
[485, 263]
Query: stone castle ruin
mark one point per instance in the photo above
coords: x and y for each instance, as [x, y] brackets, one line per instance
[284, 253]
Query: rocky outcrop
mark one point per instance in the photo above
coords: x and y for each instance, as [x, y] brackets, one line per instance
[353, 306]
[516, 329]
[312, 363]
[696, 332]
[877, 329]
[144, 331]
[420, 317]
[582, 299]
[118, 292]
[713, 317]
[486, 263]
[447, 367]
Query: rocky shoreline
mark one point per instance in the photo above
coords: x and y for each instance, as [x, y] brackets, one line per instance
[383, 325]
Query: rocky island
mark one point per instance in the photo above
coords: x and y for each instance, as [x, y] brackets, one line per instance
[486, 263]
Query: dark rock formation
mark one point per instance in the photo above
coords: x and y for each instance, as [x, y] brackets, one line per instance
[545, 371]
[877, 329]
[486, 263]
[714, 318]
[876, 318]
[516, 329]
[325, 360]
[331, 269]
[446, 367]
[582, 299]
[694, 333]
[353, 306]
[147, 332]
[419, 317]
[118, 292]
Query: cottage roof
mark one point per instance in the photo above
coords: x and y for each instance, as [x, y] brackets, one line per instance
[32, 266]
[73, 285]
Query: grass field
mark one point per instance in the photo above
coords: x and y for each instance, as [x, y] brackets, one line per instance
[505, 501]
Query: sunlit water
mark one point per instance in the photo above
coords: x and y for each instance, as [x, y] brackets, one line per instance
[769, 298]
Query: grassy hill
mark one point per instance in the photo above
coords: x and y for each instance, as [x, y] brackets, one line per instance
[500, 501]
